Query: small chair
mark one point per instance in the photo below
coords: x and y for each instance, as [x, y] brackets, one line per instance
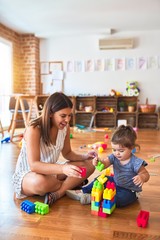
[12, 104]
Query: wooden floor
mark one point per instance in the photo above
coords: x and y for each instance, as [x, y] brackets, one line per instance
[68, 219]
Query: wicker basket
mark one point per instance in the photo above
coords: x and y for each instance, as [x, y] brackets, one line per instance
[147, 108]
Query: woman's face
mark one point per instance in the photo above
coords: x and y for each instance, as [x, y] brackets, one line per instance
[61, 118]
[120, 152]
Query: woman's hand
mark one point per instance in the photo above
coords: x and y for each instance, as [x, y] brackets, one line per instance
[90, 155]
[71, 170]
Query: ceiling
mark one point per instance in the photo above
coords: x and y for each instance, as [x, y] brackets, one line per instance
[49, 18]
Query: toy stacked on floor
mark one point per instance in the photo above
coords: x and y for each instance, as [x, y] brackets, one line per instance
[103, 198]
[37, 207]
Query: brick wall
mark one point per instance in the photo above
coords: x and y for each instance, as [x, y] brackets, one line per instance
[26, 70]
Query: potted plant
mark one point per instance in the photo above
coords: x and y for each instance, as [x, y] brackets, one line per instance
[131, 106]
[121, 106]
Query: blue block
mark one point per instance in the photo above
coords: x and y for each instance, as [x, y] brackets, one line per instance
[6, 140]
[28, 206]
[108, 203]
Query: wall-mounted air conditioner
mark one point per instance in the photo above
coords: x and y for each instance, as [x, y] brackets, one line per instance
[115, 43]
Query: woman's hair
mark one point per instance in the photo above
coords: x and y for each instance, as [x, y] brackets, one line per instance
[125, 136]
[54, 103]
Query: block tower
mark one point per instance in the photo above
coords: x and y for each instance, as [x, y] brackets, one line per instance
[103, 198]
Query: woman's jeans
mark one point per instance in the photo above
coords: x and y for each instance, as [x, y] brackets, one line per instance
[123, 196]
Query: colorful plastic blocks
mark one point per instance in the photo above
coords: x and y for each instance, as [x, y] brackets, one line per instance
[142, 218]
[41, 208]
[83, 171]
[6, 140]
[37, 207]
[100, 166]
[103, 200]
[28, 206]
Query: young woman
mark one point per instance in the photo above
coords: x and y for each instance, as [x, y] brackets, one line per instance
[38, 171]
[129, 171]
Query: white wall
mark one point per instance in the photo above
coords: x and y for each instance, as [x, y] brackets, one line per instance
[147, 44]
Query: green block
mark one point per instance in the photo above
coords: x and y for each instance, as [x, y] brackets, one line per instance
[100, 166]
[109, 211]
[41, 208]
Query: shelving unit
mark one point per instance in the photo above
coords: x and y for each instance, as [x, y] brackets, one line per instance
[148, 120]
[105, 112]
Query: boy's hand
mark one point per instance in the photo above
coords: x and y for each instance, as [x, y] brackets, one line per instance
[138, 180]
[95, 161]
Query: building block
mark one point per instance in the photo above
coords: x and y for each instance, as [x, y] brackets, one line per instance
[6, 140]
[101, 213]
[110, 185]
[142, 218]
[94, 212]
[83, 171]
[109, 211]
[97, 185]
[102, 178]
[41, 208]
[108, 203]
[100, 166]
[109, 194]
[28, 206]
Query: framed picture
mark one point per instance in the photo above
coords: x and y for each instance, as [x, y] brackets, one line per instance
[44, 68]
[55, 66]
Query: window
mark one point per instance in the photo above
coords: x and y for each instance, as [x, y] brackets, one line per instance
[5, 80]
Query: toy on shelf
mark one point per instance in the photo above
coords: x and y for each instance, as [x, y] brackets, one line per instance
[115, 93]
[142, 218]
[132, 89]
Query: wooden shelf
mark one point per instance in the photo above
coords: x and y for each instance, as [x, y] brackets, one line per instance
[101, 111]
[148, 120]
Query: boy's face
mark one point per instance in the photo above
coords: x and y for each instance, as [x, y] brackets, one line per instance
[120, 152]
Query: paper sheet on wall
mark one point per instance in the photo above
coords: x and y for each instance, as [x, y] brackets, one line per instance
[57, 75]
[54, 86]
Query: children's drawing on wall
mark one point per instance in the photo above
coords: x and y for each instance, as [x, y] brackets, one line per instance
[70, 66]
[110, 64]
[130, 63]
[55, 66]
[79, 66]
[100, 65]
[90, 66]
[153, 62]
[141, 63]
[120, 64]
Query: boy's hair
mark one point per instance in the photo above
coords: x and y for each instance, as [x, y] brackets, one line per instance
[54, 103]
[124, 136]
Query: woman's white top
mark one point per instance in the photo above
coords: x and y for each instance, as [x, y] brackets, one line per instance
[48, 154]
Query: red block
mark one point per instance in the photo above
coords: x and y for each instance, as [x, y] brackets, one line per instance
[83, 171]
[142, 218]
